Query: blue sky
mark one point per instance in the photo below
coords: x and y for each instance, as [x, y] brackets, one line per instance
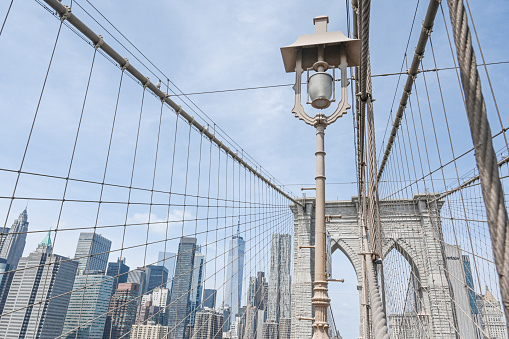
[207, 46]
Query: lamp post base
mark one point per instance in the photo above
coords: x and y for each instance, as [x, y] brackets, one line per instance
[321, 303]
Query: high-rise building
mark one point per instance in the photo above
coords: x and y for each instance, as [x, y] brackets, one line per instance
[472, 298]
[167, 259]
[235, 273]
[257, 293]
[157, 276]
[148, 312]
[279, 296]
[458, 278]
[260, 319]
[227, 318]
[250, 322]
[92, 252]
[149, 331]
[270, 330]
[139, 276]
[121, 311]
[12, 244]
[208, 324]
[13, 240]
[159, 297]
[285, 328]
[495, 326]
[37, 301]
[197, 283]
[119, 270]
[148, 277]
[404, 325]
[180, 303]
[209, 298]
[86, 313]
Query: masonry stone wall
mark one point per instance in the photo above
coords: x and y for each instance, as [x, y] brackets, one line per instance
[409, 226]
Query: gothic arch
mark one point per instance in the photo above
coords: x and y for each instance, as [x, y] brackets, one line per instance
[350, 253]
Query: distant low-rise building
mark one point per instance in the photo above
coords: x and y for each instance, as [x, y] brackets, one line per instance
[149, 331]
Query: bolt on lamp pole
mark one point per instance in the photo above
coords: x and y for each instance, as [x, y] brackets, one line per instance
[320, 52]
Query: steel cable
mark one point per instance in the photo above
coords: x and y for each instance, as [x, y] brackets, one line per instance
[484, 153]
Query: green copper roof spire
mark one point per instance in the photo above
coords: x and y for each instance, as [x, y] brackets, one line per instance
[47, 240]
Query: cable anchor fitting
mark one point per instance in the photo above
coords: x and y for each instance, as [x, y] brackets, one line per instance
[66, 15]
[125, 65]
[419, 56]
[99, 43]
[427, 30]
[147, 83]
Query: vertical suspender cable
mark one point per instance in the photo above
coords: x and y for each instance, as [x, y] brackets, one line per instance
[484, 153]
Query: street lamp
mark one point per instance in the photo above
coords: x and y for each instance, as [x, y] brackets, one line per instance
[321, 53]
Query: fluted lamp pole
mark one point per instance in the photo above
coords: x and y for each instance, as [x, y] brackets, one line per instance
[321, 53]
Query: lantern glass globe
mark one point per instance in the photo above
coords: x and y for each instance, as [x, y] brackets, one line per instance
[320, 89]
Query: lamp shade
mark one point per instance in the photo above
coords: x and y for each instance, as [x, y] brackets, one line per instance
[320, 89]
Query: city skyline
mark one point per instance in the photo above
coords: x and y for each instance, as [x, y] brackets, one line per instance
[93, 251]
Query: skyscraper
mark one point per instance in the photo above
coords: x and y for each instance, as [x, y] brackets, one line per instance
[88, 306]
[43, 280]
[167, 259]
[139, 276]
[13, 241]
[180, 303]
[227, 317]
[119, 270]
[270, 330]
[147, 311]
[148, 277]
[279, 298]
[92, 252]
[257, 294]
[457, 276]
[157, 276]
[235, 273]
[404, 325]
[495, 326]
[209, 298]
[159, 297]
[121, 311]
[250, 322]
[196, 285]
[208, 324]
[12, 244]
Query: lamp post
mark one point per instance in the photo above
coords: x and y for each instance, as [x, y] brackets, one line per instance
[322, 52]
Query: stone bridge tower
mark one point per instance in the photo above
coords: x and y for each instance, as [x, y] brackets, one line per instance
[409, 226]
